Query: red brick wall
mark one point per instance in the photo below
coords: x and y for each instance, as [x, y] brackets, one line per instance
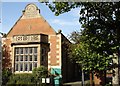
[31, 26]
[53, 53]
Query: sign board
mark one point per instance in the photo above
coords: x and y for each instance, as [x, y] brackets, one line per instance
[43, 80]
[47, 80]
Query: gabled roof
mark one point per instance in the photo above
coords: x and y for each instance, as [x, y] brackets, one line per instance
[31, 22]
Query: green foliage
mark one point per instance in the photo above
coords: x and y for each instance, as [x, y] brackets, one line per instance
[62, 7]
[5, 75]
[21, 79]
[90, 60]
[100, 37]
[6, 72]
[39, 73]
[28, 78]
[100, 20]
[75, 37]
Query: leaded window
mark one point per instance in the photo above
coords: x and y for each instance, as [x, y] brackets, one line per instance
[25, 58]
[30, 58]
[43, 56]
[30, 66]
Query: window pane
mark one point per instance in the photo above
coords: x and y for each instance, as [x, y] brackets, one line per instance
[35, 57]
[30, 67]
[35, 50]
[17, 50]
[21, 66]
[21, 58]
[30, 58]
[26, 58]
[26, 50]
[42, 59]
[35, 64]
[30, 50]
[43, 51]
[16, 67]
[16, 58]
[21, 50]
[25, 66]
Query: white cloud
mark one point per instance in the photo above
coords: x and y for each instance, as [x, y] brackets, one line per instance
[63, 22]
[72, 21]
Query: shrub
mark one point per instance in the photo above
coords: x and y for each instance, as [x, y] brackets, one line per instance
[38, 73]
[6, 73]
[25, 79]
[21, 79]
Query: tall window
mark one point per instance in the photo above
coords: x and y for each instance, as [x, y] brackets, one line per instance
[43, 55]
[25, 58]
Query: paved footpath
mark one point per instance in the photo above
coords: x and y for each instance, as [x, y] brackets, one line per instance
[78, 83]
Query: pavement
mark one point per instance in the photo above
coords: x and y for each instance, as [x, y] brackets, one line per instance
[78, 83]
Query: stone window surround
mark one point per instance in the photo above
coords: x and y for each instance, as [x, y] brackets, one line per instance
[13, 56]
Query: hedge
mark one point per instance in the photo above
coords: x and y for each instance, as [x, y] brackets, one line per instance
[21, 79]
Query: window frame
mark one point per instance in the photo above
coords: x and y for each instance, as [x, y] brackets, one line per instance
[26, 59]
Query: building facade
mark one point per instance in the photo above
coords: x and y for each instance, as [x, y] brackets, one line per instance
[32, 42]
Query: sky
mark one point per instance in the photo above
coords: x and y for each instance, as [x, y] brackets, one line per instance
[11, 12]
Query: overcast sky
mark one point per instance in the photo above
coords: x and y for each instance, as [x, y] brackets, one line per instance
[67, 22]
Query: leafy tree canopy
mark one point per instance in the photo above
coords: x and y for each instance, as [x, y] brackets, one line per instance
[100, 37]
[100, 20]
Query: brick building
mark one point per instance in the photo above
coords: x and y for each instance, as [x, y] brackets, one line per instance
[32, 42]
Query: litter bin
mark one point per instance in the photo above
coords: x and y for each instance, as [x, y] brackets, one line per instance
[57, 81]
[58, 77]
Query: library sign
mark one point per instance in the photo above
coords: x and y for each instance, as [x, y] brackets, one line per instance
[26, 38]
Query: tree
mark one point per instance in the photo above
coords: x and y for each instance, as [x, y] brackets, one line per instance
[6, 64]
[74, 37]
[101, 22]
[98, 19]
[6, 61]
[91, 61]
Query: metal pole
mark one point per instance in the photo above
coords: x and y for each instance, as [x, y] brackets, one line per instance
[119, 65]
[83, 82]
